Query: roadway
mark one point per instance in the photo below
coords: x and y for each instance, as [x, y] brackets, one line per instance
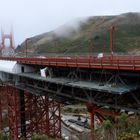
[106, 62]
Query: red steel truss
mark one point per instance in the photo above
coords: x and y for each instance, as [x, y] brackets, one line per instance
[54, 119]
[42, 115]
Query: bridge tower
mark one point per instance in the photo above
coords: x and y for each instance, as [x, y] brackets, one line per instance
[7, 50]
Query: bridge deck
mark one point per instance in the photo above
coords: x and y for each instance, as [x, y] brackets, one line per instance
[89, 85]
[117, 62]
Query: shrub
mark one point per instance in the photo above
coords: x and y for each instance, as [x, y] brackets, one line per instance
[106, 124]
[127, 136]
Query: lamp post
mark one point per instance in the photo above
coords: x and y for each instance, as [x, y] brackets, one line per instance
[90, 43]
[55, 40]
[112, 29]
[26, 43]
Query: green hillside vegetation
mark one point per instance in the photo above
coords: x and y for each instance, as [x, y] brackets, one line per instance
[91, 33]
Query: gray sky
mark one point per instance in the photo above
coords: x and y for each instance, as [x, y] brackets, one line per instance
[32, 17]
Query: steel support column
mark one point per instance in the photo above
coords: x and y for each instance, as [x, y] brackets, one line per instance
[54, 119]
[92, 110]
[100, 114]
[0, 109]
[3, 104]
[22, 114]
[13, 112]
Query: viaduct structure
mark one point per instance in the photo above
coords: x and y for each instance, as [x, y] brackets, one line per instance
[107, 85]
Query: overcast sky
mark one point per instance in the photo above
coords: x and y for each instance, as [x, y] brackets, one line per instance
[32, 17]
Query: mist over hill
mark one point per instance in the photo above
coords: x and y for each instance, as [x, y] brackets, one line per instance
[89, 34]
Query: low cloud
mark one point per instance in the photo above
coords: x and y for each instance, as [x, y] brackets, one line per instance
[67, 29]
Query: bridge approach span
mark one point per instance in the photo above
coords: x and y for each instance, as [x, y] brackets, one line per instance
[107, 86]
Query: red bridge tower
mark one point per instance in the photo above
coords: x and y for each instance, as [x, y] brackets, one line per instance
[7, 50]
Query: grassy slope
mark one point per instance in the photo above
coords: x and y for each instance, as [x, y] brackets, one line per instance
[95, 30]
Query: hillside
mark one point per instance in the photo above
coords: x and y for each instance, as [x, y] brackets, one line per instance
[77, 36]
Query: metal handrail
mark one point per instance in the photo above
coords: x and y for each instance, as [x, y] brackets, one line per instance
[82, 61]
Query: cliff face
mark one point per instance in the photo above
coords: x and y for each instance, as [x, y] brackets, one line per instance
[76, 37]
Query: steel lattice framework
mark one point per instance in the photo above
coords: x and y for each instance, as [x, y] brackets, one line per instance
[29, 114]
